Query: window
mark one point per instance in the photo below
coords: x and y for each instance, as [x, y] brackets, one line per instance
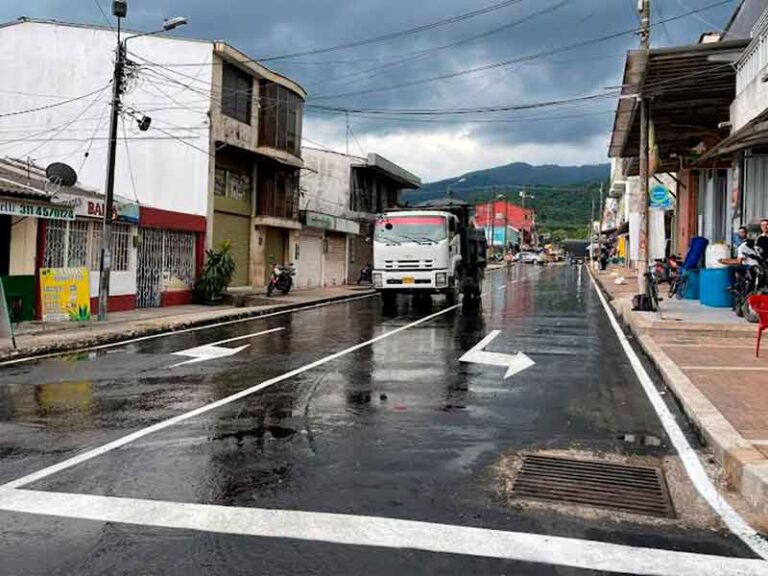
[234, 185]
[280, 118]
[236, 96]
[77, 243]
[278, 191]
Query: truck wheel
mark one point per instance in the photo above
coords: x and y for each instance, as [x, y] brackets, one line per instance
[389, 299]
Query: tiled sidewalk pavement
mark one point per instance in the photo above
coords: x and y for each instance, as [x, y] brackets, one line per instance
[37, 338]
[707, 358]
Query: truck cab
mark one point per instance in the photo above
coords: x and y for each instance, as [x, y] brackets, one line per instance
[416, 251]
[422, 252]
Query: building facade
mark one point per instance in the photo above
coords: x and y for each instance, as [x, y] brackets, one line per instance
[341, 195]
[220, 160]
[507, 224]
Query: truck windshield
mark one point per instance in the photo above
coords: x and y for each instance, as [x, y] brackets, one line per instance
[416, 229]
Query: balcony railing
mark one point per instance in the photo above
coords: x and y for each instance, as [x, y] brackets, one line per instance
[753, 62]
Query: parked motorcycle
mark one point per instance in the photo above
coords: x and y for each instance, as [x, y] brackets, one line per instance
[749, 280]
[281, 279]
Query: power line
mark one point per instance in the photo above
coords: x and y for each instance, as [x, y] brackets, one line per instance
[49, 106]
[399, 34]
[128, 156]
[419, 55]
[67, 125]
[505, 63]
[463, 111]
[104, 14]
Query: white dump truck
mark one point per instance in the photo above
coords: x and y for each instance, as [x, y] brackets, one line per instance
[433, 248]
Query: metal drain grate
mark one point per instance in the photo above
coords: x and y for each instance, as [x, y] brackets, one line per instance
[636, 489]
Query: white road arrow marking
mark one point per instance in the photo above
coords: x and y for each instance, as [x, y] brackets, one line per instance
[514, 363]
[207, 352]
[213, 350]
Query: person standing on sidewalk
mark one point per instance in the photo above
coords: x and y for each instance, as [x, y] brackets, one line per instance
[762, 240]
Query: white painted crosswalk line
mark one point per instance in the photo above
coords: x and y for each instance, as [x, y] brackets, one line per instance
[380, 532]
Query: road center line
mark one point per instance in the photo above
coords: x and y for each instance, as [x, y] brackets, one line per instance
[246, 337]
[93, 453]
[380, 533]
[687, 454]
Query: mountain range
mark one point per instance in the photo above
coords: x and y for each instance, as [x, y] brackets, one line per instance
[561, 195]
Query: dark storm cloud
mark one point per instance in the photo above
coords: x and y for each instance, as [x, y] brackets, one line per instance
[265, 29]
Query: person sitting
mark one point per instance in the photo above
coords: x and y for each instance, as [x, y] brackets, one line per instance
[746, 253]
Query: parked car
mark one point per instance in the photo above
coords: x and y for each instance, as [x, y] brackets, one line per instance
[526, 258]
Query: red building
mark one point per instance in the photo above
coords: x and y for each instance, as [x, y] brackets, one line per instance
[502, 213]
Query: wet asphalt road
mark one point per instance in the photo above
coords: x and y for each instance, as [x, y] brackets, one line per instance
[397, 429]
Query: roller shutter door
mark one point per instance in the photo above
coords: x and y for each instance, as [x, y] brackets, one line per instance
[336, 259]
[236, 229]
[310, 272]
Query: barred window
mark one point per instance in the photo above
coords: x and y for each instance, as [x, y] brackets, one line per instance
[121, 246]
[77, 243]
[179, 258]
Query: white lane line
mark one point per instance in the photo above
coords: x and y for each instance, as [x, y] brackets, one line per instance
[93, 453]
[380, 533]
[687, 454]
[500, 288]
[182, 331]
[246, 337]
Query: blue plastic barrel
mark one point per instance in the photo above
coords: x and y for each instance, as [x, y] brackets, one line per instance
[692, 288]
[714, 288]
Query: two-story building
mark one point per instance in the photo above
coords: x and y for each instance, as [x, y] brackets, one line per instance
[340, 197]
[220, 159]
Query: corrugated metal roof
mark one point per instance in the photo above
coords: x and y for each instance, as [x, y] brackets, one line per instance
[23, 180]
[690, 91]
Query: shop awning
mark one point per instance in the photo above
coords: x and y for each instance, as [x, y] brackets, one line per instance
[689, 90]
[754, 133]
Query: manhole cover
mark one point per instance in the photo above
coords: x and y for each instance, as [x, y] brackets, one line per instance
[636, 489]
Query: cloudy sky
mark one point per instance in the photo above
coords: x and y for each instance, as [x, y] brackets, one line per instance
[370, 76]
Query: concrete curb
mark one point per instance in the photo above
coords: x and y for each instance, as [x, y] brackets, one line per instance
[122, 333]
[745, 468]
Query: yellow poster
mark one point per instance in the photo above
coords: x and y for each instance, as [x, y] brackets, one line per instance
[65, 294]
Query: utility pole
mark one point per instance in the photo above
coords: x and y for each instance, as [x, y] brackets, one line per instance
[644, 7]
[120, 11]
[493, 223]
[347, 114]
[600, 214]
[106, 233]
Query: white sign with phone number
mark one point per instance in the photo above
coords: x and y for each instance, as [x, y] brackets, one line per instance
[23, 208]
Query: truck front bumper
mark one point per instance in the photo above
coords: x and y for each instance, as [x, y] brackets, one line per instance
[411, 280]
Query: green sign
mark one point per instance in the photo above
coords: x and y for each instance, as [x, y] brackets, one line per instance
[24, 208]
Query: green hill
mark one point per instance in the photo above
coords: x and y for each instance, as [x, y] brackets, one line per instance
[562, 194]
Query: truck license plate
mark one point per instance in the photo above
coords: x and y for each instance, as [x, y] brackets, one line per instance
[409, 280]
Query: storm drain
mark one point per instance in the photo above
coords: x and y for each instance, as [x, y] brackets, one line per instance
[636, 489]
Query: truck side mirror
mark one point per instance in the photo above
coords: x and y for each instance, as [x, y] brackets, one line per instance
[452, 225]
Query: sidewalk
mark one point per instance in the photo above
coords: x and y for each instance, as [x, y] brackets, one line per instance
[707, 358]
[33, 338]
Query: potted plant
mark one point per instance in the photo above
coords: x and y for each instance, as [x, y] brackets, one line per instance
[216, 275]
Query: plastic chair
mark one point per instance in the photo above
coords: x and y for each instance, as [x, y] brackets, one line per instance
[759, 303]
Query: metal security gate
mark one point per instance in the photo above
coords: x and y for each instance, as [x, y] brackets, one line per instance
[149, 269]
[336, 259]
[166, 262]
[310, 265]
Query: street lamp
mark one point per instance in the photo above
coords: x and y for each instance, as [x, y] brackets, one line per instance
[120, 11]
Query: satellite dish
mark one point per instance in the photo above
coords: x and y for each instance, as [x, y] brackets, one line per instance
[61, 174]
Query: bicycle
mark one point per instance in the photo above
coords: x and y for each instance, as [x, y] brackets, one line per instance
[678, 285]
[652, 289]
